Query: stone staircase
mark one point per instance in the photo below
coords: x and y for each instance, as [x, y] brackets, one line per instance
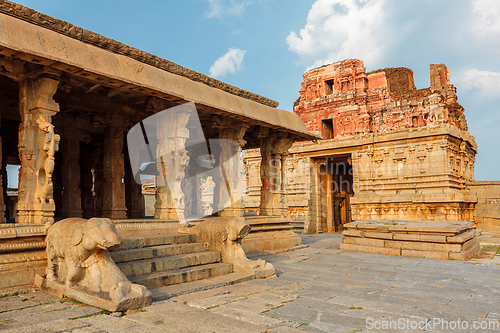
[171, 264]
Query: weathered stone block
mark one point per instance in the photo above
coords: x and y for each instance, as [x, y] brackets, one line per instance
[364, 241]
[407, 237]
[461, 238]
[381, 235]
[393, 244]
[425, 254]
[435, 247]
[469, 244]
[370, 249]
[467, 254]
[353, 233]
[432, 238]
[373, 227]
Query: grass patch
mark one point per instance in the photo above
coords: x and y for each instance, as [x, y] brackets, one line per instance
[86, 316]
[355, 308]
[105, 312]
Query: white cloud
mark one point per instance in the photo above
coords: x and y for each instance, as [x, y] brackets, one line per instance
[486, 17]
[485, 81]
[228, 63]
[221, 8]
[341, 29]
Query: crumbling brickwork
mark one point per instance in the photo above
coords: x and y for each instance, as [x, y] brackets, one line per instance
[384, 100]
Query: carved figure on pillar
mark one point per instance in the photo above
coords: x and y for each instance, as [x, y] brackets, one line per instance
[273, 151]
[172, 160]
[44, 190]
[37, 146]
[231, 203]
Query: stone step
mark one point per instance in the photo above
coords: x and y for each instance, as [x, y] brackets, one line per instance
[134, 242]
[183, 275]
[148, 266]
[163, 293]
[157, 251]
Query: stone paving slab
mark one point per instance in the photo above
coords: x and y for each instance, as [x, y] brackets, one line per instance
[35, 310]
[247, 316]
[162, 322]
[112, 324]
[360, 303]
[71, 313]
[15, 303]
[285, 329]
[212, 302]
[60, 325]
[316, 291]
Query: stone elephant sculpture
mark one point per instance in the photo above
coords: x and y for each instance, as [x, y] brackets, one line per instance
[224, 235]
[77, 256]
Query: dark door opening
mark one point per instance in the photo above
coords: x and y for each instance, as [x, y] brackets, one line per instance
[328, 129]
[336, 178]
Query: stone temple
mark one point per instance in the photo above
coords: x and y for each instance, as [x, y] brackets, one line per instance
[389, 152]
[68, 99]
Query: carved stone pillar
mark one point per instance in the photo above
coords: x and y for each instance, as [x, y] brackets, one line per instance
[113, 170]
[133, 192]
[272, 198]
[2, 202]
[37, 146]
[87, 181]
[231, 191]
[70, 149]
[172, 160]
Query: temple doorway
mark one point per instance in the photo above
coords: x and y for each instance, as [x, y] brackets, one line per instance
[336, 189]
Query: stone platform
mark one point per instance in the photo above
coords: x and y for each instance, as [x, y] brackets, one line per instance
[268, 234]
[425, 239]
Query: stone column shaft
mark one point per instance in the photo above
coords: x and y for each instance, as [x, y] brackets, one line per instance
[71, 199]
[113, 172]
[172, 160]
[2, 199]
[272, 200]
[37, 146]
[231, 191]
[87, 185]
[133, 192]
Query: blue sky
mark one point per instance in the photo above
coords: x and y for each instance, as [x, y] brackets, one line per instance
[264, 46]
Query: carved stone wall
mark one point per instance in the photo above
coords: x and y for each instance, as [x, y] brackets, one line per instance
[487, 212]
[420, 177]
[410, 151]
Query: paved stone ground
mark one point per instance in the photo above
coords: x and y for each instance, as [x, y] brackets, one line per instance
[319, 289]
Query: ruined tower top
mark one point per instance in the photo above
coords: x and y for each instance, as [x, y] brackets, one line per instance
[343, 99]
